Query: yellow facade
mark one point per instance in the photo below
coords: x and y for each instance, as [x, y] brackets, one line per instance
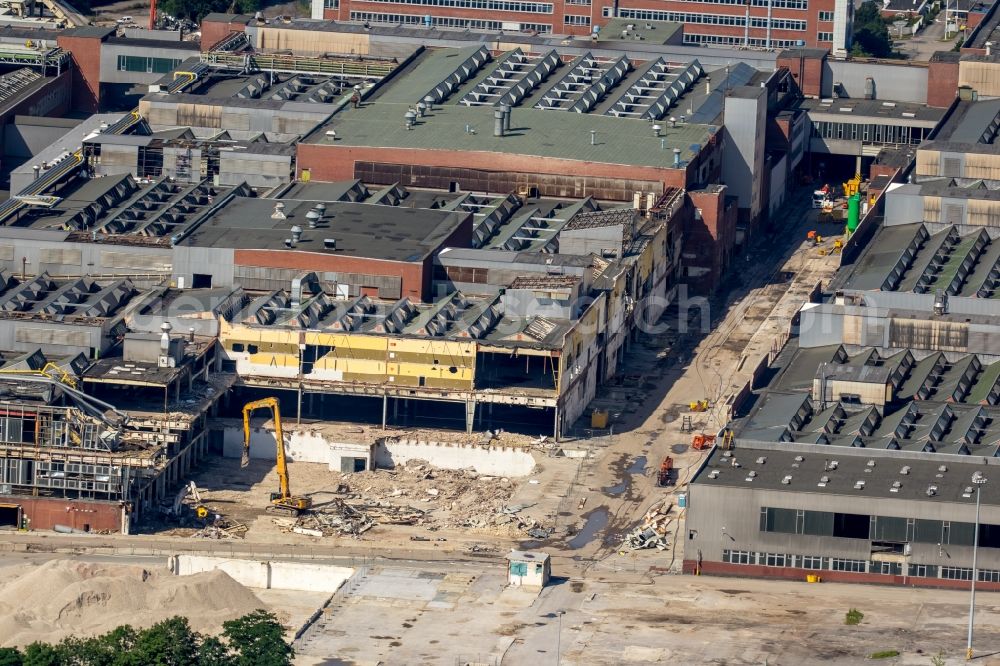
[353, 357]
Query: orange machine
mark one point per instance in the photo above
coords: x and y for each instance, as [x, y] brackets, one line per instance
[701, 441]
[663, 479]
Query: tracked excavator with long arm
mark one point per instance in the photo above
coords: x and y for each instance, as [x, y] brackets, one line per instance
[282, 501]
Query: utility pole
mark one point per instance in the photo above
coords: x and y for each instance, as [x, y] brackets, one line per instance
[978, 480]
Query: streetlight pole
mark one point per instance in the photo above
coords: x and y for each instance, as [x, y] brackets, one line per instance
[978, 480]
[559, 640]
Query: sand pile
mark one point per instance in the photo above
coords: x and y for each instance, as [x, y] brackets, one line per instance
[60, 598]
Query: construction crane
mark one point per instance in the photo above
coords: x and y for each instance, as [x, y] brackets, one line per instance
[282, 501]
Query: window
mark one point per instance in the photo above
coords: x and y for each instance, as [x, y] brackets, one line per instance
[578, 2]
[777, 560]
[886, 568]
[988, 576]
[252, 349]
[331, 4]
[739, 557]
[519, 568]
[924, 570]
[956, 573]
[489, 5]
[824, 37]
[147, 64]
[814, 562]
[826, 16]
[841, 564]
[778, 520]
[574, 19]
[238, 347]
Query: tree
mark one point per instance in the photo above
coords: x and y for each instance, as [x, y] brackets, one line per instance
[871, 32]
[11, 657]
[169, 643]
[43, 654]
[213, 652]
[258, 640]
[198, 9]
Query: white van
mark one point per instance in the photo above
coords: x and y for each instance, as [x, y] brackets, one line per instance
[124, 20]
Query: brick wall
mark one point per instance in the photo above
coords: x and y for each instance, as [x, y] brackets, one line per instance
[86, 52]
[411, 275]
[806, 69]
[212, 32]
[332, 163]
[942, 76]
[46, 513]
[709, 241]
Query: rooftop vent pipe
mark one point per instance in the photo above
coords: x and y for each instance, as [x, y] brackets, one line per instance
[677, 157]
[498, 122]
[279, 212]
[296, 233]
[165, 337]
[506, 116]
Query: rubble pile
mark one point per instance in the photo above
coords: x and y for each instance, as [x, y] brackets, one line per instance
[652, 532]
[417, 493]
[222, 528]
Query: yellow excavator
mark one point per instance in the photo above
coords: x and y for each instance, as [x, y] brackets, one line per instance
[283, 501]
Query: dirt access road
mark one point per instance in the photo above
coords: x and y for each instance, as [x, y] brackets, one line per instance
[753, 311]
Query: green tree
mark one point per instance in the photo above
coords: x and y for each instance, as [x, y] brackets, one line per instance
[871, 32]
[11, 657]
[213, 652]
[198, 9]
[43, 654]
[169, 643]
[258, 640]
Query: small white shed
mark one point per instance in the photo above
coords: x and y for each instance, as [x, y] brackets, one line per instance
[528, 568]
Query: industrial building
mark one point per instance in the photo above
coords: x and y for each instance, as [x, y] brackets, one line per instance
[758, 24]
[94, 445]
[855, 466]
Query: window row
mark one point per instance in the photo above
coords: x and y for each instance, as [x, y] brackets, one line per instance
[826, 16]
[876, 528]
[775, 4]
[711, 19]
[445, 22]
[576, 19]
[729, 40]
[147, 64]
[491, 5]
[824, 36]
[874, 134]
[819, 563]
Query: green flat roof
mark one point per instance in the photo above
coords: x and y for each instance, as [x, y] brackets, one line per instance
[557, 134]
[379, 123]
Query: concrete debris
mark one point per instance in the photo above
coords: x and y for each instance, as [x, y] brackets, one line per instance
[652, 533]
[222, 528]
[416, 493]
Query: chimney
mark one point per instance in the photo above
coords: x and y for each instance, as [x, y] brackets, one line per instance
[296, 233]
[673, 121]
[708, 85]
[656, 129]
[312, 218]
[506, 116]
[677, 157]
[411, 118]
[36, 169]
[421, 109]
[498, 122]
[593, 137]
[191, 334]
[330, 243]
